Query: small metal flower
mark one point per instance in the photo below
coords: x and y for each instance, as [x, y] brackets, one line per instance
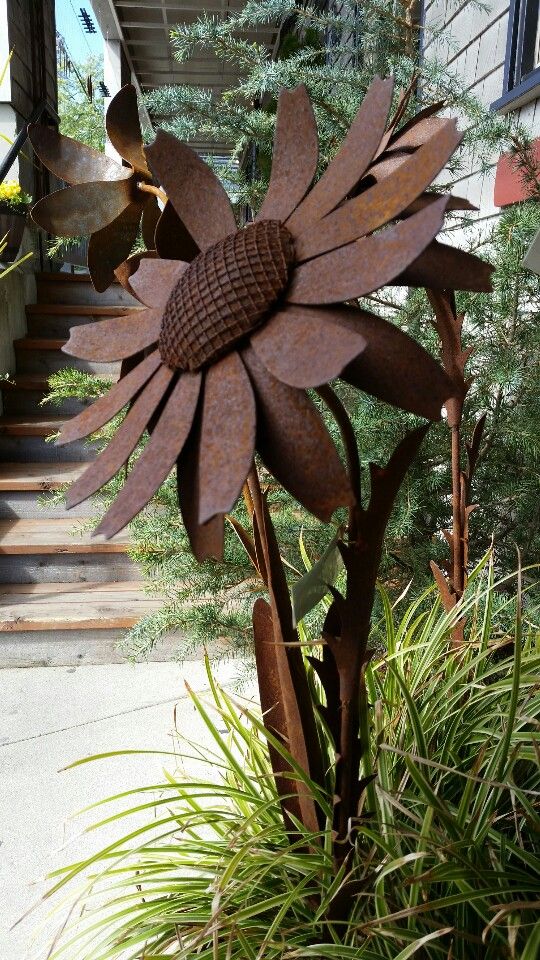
[104, 200]
[235, 338]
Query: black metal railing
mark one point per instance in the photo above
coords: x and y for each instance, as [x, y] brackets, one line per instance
[43, 109]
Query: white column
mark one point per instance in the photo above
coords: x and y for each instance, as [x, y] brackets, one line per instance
[112, 77]
[8, 119]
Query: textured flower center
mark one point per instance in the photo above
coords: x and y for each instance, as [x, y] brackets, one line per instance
[225, 294]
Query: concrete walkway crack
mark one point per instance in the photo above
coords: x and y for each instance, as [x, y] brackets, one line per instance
[86, 723]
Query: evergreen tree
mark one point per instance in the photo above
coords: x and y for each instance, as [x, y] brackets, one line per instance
[81, 117]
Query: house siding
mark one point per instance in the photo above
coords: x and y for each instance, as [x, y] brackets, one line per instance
[474, 47]
[28, 28]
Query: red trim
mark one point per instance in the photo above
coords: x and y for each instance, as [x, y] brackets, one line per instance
[509, 184]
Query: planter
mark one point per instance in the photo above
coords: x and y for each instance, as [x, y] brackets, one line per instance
[11, 223]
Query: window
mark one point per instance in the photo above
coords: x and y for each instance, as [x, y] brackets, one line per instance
[522, 63]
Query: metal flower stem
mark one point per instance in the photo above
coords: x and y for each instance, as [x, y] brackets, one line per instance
[149, 188]
[448, 324]
[355, 619]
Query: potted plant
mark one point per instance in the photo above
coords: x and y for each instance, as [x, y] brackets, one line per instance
[14, 203]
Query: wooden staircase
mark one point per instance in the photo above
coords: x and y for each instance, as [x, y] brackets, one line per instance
[65, 597]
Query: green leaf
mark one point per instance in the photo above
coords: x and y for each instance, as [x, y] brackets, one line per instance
[313, 586]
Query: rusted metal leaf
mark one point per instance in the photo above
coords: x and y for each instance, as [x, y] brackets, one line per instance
[448, 324]
[70, 160]
[448, 599]
[294, 160]
[384, 201]
[227, 440]
[104, 409]
[83, 209]
[313, 586]
[172, 239]
[193, 188]
[111, 245]
[154, 279]
[473, 450]
[281, 716]
[158, 457]
[303, 347]
[114, 339]
[124, 129]
[295, 444]
[245, 540]
[303, 736]
[359, 268]
[120, 448]
[385, 484]
[442, 267]
[351, 160]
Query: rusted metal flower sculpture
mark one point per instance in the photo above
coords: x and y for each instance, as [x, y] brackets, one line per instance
[220, 359]
[105, 200]
[237, 336]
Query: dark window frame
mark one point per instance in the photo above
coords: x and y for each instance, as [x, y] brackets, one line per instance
[517, 84]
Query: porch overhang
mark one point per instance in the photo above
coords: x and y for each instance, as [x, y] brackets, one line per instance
[143, 29]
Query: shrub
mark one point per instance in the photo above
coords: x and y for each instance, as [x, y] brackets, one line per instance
[446, 854]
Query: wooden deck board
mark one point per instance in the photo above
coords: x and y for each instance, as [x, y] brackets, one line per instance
[31, 426]
[67, 606]
[55, 536]
[39, 476]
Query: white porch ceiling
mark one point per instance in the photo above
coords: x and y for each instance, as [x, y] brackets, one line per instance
[143, 27]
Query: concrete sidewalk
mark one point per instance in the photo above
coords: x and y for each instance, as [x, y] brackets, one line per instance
[50, 717]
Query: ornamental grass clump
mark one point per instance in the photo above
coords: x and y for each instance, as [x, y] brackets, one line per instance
[444, 858]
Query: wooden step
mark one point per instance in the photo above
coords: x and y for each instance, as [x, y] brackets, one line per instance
[38, 426]
[55, 536]
[26, 381]
[77, 288]
[36, 343]
[24, 396]
[43, 355]
[79, 310]
[38, 476]
[63, 277]
[66, 606]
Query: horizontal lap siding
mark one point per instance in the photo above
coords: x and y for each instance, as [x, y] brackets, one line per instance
[474, 48]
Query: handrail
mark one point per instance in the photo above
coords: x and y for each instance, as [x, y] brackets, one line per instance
[43, 107]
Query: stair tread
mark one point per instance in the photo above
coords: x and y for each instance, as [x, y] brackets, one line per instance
[39, 476]
[55, 536]
[39, 343]
[31, 426]
[65, 277]
[80, 309]
[35, 381]
[72, 606]
[26, 381]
